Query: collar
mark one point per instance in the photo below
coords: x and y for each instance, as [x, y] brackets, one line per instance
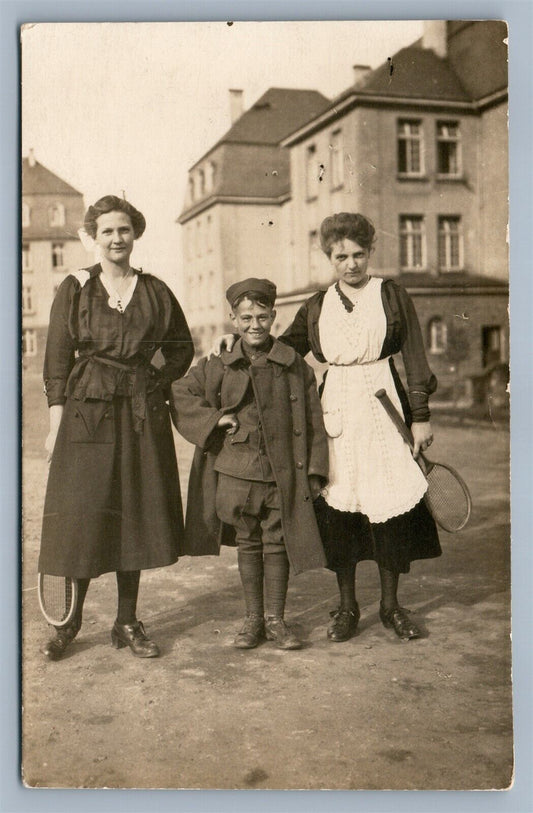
[94, 270]
[279, 353]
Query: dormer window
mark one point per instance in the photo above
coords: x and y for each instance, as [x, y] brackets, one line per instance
[56, 215]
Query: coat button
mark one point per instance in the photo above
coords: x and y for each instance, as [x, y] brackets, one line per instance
[299, 465]
[293, 398]
[154, 408]
[297, 432]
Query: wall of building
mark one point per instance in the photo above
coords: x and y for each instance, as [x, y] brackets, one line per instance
[494, 191]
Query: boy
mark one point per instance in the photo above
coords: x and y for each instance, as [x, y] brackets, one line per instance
[261, 459]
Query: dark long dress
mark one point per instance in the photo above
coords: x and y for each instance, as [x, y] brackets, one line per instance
[350, 537]
[113, 499]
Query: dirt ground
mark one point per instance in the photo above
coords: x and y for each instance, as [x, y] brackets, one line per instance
[371, 713]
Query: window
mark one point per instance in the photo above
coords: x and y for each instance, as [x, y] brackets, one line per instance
[198, 238]
[212, 291]
[448, 149]
[311, 172]
[26, 258]
[26, 219]
[450, 244]
[29, 343]
[337, 160]
[201, 183]
[210, 171]
[412, 243]
[410, 148]
[313, 255]
[57, 255]
[191, 189]
[209, 233]
[437, 335]
[27, 299]
[56, 215]
[491, 344]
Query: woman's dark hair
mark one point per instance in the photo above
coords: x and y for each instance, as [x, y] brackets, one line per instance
[111, 203]
[346, 226]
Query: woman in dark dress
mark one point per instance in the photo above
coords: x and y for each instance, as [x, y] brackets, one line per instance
[113, 499]
[373, 506]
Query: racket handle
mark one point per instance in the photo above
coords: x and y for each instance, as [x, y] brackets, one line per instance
[395, 417]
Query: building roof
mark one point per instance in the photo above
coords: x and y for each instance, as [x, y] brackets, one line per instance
[413, 72]
[38, 180]
[250, 164]
[274, 115]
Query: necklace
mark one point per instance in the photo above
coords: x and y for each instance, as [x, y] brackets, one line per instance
[118, 293]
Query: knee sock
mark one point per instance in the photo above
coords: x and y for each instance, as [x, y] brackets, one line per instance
[389, 588]
[251, 573]
[346, 583]
[276, 582]
[128, 590]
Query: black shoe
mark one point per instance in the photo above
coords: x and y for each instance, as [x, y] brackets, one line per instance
[399, 621]
[343, 624]
[277, 630]
[55, 648]
[252, 632]
[134, 636]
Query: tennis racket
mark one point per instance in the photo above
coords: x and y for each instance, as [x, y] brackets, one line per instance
[58, 597]
[447, 495]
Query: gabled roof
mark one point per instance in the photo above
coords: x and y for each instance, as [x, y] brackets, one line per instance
[274, 115]
[413, 72]
[38, 180]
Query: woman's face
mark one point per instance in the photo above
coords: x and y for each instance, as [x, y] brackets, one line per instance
[350, 261]
[114, 236]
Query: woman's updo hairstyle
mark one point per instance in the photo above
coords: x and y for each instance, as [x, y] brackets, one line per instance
[346, 226]
[112, 203]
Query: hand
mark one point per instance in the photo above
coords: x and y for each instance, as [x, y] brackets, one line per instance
[315, 486]
[222, 342]
[423, 437]
[49, 444]
[55, 413]
[230, 423]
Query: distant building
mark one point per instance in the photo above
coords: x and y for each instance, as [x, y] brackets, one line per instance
[236, 216]
[420, 146]
[52, 213]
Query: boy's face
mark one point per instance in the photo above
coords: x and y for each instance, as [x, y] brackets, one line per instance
[253, 322]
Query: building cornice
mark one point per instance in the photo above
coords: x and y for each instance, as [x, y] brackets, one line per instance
[245, 200]
[360, 99]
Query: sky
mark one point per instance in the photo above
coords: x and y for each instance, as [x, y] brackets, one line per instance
[132, 106]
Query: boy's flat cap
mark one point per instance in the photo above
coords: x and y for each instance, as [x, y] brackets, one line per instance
[263, 287]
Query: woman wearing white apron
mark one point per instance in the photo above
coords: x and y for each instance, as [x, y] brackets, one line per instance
[373, 506]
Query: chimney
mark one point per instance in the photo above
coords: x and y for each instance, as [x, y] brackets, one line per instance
[235, 104]
[435, 38]
[31, 158]
[360, 72]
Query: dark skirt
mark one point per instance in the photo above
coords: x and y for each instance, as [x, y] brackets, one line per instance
[349, 538]
[113, 498]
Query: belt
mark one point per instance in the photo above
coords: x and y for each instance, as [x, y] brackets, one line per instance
[138, 395]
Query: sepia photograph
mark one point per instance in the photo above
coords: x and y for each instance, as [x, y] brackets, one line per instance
[266, 261]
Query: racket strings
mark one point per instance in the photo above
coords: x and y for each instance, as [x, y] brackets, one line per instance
[57, 597]
[448, 498]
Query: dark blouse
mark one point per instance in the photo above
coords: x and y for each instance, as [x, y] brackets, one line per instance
[403, 335]
[94, 351]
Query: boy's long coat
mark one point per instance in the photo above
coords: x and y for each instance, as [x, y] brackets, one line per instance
[294, 436]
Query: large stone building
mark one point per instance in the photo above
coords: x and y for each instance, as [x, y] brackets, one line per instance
[420, 146]
[52, 213]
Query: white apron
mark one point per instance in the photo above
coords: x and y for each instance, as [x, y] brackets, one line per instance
[371, 468]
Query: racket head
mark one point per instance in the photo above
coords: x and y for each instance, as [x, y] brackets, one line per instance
[58, 598]
[448, 497]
